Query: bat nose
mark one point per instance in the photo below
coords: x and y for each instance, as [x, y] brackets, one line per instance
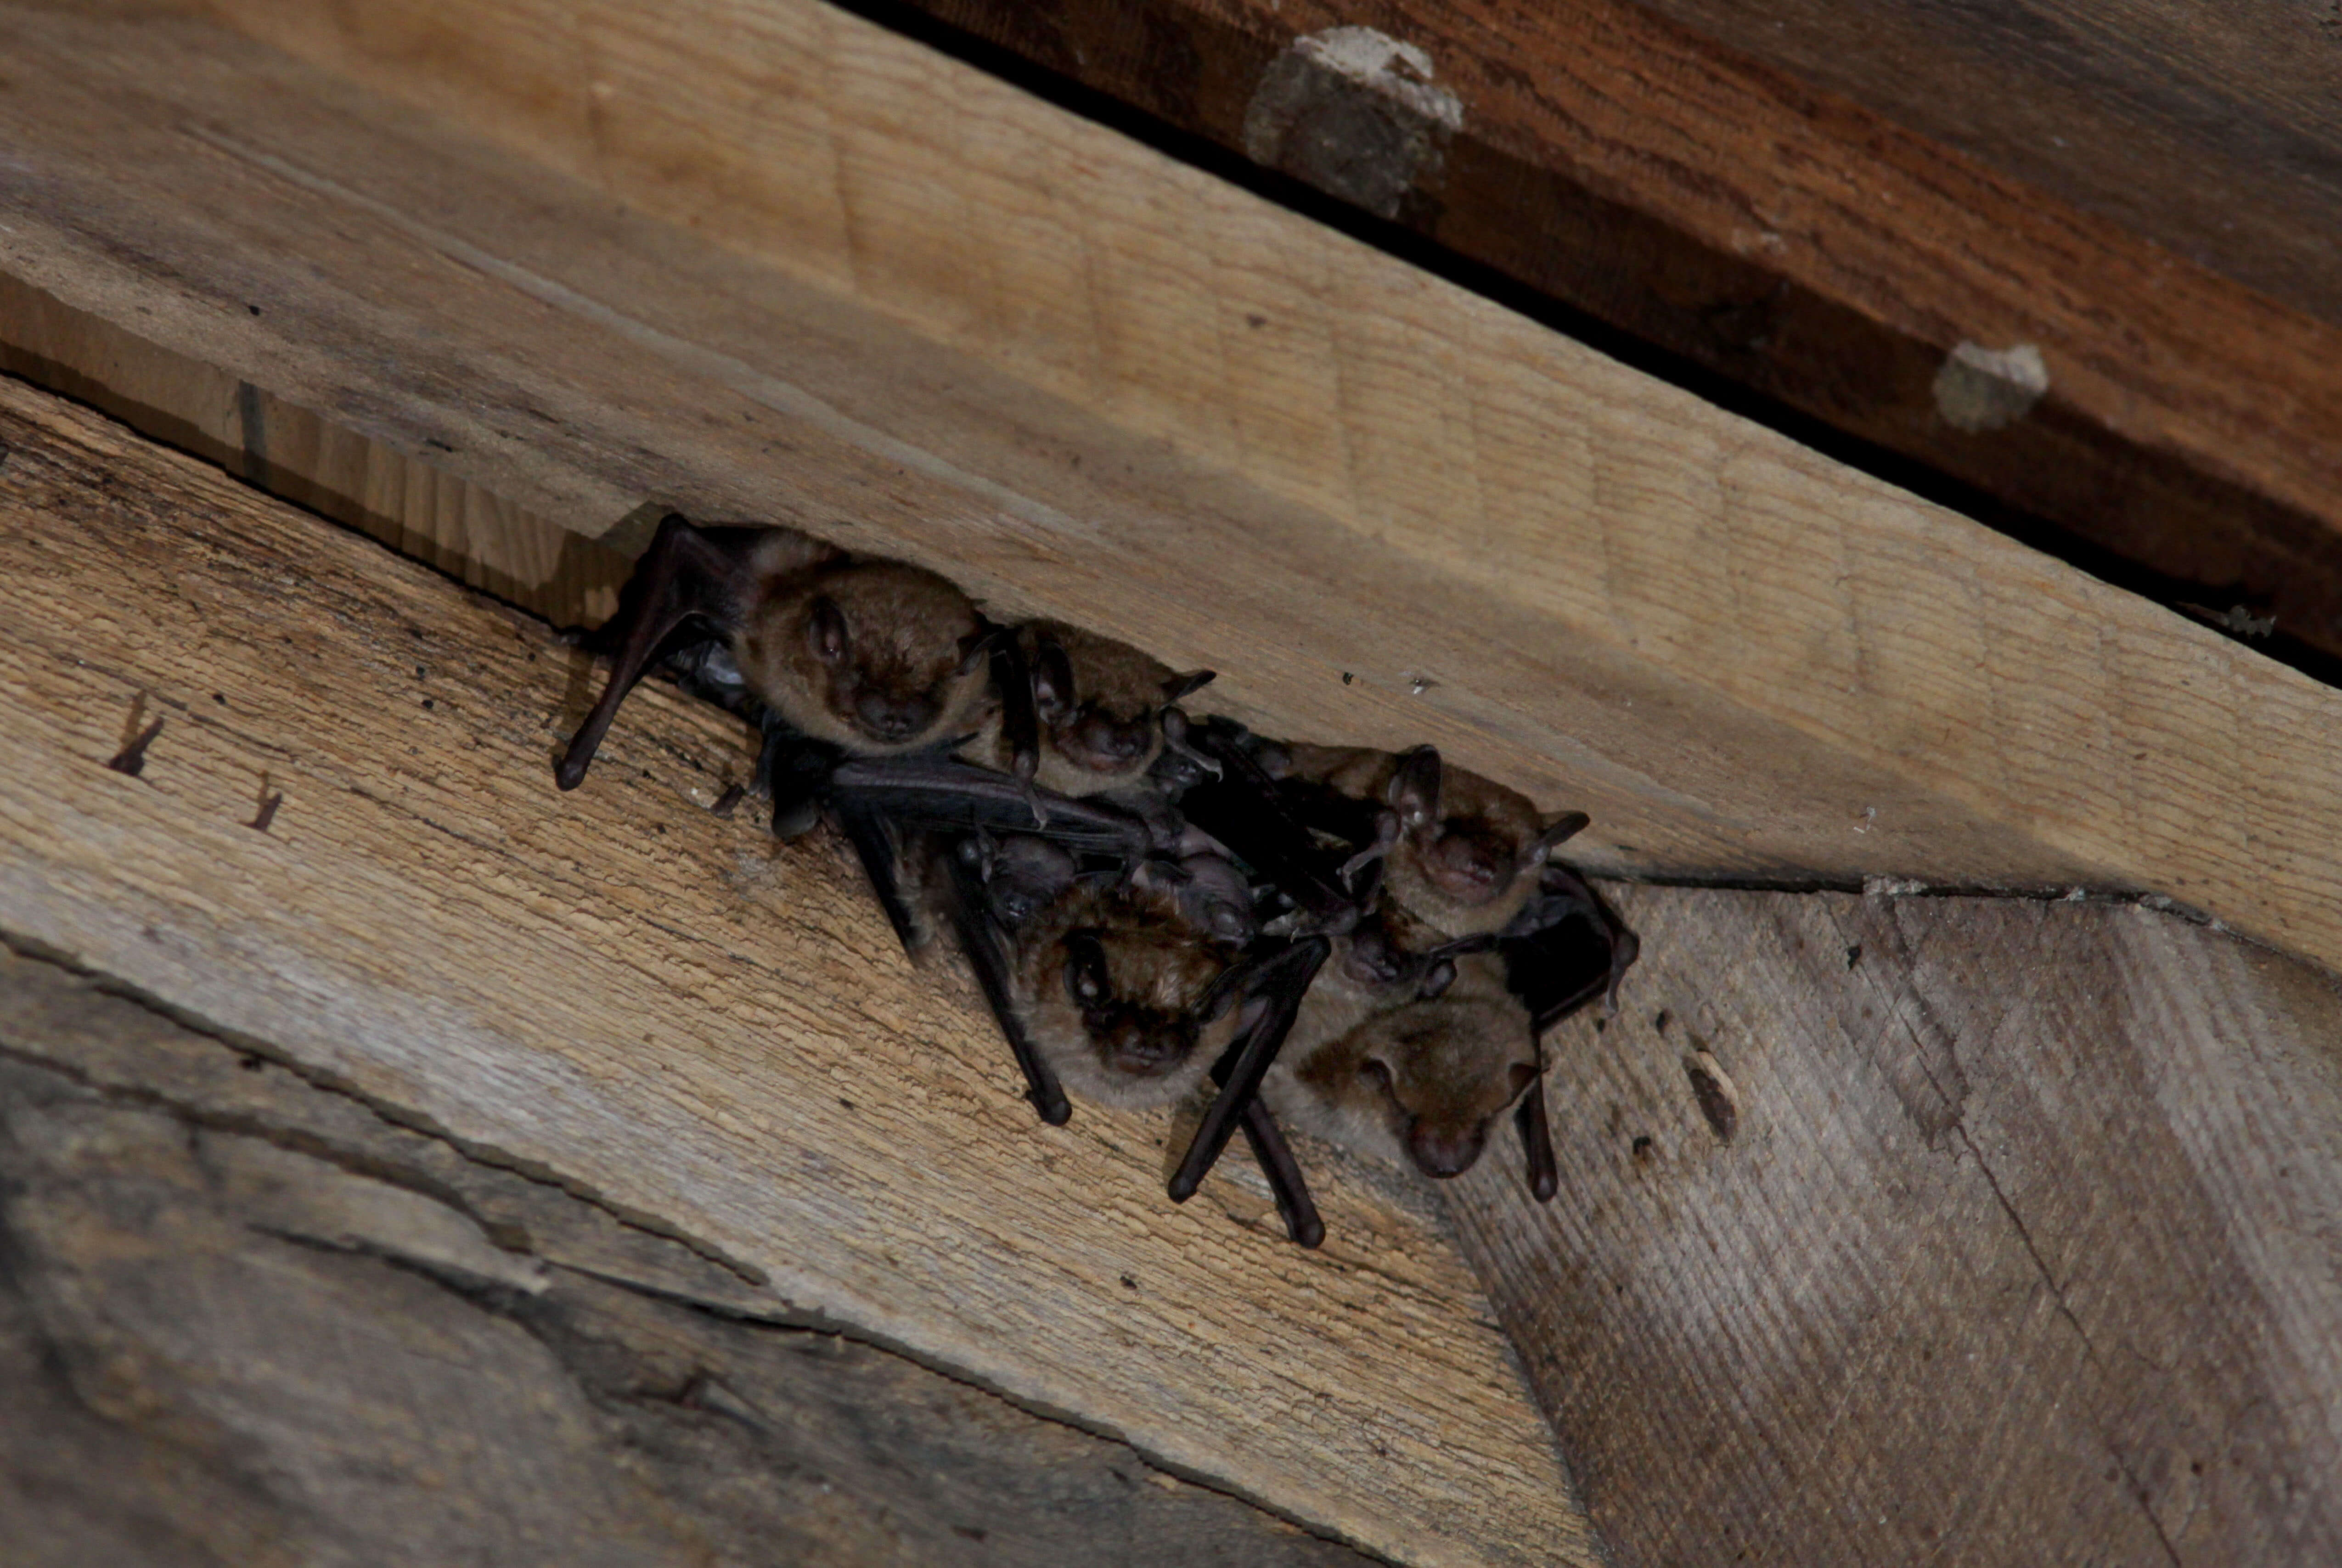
[1444, 1152]
[1112, 741]
[891, 718]
[1123, 741]
[1145, 1052]
[1469, 868]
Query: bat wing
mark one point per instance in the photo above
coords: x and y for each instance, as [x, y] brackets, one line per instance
[1566, 948]
[1245, 810]
[1278, 981]
[943, 793]
[964, 905]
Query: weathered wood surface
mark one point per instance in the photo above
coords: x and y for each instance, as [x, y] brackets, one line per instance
[1388, 511]
[456, 525]
[2141, 193]
[248, 1319]
[2027, 1246]
[2207, 127]
[709, 1036]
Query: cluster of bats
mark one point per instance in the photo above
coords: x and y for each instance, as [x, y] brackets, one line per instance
[1367, 945]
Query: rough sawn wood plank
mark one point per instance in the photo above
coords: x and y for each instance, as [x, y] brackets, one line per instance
[1388, 510]
[246, 1319]
[2027, 1246]
[707, 1031]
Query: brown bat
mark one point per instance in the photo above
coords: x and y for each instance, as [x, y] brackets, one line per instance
[1464, 851]
[1408, 1072]
[1122, 997]
[1466, 880]
[874, 657]
[1083, 714]
[1128, 987]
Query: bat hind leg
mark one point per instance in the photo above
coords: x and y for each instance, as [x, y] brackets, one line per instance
[978, 938]
[1280, 983]
[1285, 1184]
[1537, 1141]
[683, 573]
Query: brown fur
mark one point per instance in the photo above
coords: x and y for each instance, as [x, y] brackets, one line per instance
[1478, 819]
[1159, 969]
[1118, 691]
[900, 682]
[1409, 1081]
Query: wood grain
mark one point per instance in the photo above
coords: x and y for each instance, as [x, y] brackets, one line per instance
[1386, 510]
[710, 1037]
[2027, 1246]
[1687, 173]
[2206, 126]
[458, 525]
[248, 1319]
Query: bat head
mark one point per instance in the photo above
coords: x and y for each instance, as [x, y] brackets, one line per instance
[1438, 1073]
[870, 654]
[1100, 704]
[1467, 847]
[1025, 877]
[1118, 990]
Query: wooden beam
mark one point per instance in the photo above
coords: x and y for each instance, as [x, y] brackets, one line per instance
[1837, 206]
[250, 1319]
[2024, 1247]
[1385, 509]
[707, 1036]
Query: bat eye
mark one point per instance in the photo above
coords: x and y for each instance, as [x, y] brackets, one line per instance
[825, 631]
[1084, 969]
[1374, 1071]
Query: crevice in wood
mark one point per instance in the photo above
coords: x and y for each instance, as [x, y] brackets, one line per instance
[609, 1373]
[1745, 395]
[2066, 1311]
[1910, 887]
[390, 1114]
[509, 1303]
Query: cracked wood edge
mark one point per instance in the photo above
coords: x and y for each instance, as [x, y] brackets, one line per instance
[287, 1327]
[2027, 1246]
[670, 1011]
[1741, 658]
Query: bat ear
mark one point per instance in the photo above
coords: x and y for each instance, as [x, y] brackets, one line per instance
[1178, 687]
[1436, 980]
[1414, 790]
[1559, 832]
[1086, 980]
[1053, 679]
[1523, 1075]
[826, 632]
[977, 645]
